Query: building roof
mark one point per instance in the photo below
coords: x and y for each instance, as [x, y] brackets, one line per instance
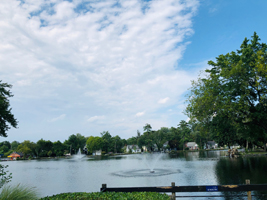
[191, 144]
[15, 154]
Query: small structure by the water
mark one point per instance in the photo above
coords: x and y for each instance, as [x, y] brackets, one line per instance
[133, 148]
[15, 155]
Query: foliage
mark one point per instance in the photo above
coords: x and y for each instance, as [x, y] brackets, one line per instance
[76, 142]
[109, 196]
[43, 147]
[234, 90]
[26, 147]
[3, 174]
[147, 128]
[94, 144]
[106, 141]
[7, 119]
[18, 192]
[59, 148]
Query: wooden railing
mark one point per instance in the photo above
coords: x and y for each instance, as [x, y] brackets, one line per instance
[199, 188]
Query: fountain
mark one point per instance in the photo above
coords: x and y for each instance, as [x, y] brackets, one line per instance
[79, 155]
[150, 160]
[151, 163]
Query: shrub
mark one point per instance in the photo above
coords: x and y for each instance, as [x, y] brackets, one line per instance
[109, 196]
[18, 192]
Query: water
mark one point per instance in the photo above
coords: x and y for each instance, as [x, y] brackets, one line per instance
[53, 176]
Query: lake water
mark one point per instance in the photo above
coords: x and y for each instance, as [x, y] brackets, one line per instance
[54, 176]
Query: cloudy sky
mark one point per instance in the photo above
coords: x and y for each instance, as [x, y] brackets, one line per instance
[83, 66]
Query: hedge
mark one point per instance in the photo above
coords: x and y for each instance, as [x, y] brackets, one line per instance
[109, 196]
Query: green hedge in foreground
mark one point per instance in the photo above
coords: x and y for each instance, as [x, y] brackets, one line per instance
[109, 196]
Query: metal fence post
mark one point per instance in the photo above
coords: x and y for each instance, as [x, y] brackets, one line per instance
[249, 192]
[173, 193]
[104, 186]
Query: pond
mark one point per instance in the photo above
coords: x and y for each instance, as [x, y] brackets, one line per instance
[87, 174]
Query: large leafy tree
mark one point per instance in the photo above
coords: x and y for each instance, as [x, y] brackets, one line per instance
[234, 88]
[94, 143]
[7, 119]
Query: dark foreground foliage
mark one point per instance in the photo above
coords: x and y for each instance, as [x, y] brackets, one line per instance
[109, 196]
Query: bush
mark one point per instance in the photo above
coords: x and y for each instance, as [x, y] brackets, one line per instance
[18, 192]
[109, 196]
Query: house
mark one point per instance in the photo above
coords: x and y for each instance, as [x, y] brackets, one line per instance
[133, 148]
[15, 155]
[97, 153]
[211, 145]
[191, 145]
[144, 148]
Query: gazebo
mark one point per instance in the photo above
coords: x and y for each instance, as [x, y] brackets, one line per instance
[15, 155]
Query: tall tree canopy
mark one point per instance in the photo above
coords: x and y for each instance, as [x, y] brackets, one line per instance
[235, 88]
[7, 119]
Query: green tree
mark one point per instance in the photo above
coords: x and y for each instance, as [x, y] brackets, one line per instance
[44, 147]
[236, 87]
[76, 142]
[147, 128]
[183, 126]
[107, 147]
[59, 148]
[26, 147]
[94, 143]
[14, 145]
[7, 119]
[160, 137]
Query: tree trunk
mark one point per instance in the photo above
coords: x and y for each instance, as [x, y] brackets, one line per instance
[264, 146]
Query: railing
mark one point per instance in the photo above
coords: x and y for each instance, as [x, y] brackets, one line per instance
[200, 188]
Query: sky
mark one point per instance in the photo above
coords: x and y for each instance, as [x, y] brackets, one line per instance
[83, 66]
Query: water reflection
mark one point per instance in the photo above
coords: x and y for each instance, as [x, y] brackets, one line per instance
[236, 171]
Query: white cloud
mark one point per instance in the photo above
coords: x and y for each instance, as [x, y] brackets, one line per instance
[97, 58]
[61, 117]
[96, 118]
[139, 114]
[163, 101]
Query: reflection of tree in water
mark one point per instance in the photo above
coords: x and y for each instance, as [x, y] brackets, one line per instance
[236, 171]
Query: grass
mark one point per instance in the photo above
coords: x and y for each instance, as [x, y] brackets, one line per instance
[18, 192]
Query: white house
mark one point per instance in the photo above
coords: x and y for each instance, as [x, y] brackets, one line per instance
[97, 153]
[211, 145]
[133, 148]
[192, 145]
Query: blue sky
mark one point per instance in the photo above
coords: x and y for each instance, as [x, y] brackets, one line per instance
[92, 66]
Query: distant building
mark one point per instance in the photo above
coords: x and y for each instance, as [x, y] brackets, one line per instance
[134, 148]
[97, 153]
[15, 155]
[191, 145]
[211, 145]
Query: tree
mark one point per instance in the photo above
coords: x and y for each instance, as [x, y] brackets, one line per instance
[26, 147]
[236, 87]
[94, 143]
[107, 147]
[7, 119]
[44, 147]
[147, 128]
[160, 137]
[59, 148]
